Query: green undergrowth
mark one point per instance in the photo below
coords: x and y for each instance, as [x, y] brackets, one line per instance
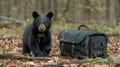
[3, 31]
[101, 26]
[21, 64]
[1, 64]
[102, 61]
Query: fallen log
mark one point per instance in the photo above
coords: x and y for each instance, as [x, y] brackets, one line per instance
[11, 19]
[115, 62]
[11, 22]
[20, 57]
[72, 61]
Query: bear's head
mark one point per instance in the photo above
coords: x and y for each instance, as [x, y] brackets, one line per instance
[41, 24]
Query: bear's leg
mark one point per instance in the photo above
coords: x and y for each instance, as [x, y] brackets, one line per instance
[36, 50]
[26, 49]
[46, 50]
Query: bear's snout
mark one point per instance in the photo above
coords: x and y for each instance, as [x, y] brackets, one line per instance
[41, 27]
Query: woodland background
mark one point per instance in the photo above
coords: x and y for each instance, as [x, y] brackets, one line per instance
[98, 15]
[70, 10]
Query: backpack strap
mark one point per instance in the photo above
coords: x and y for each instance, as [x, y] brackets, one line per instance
[87, 28]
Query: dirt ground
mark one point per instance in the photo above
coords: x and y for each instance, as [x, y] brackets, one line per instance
[11, 43]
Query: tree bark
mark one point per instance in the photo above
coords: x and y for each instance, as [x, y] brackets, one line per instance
[55, 9]
[108, 11]
[67, 7]
[8, 8]
[19, 9]
[26, 9]
[117, 5]
[87, 11]
[1, 8]
[42, 2]
[49, 5]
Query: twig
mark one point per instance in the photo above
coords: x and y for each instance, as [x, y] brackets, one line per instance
[15, 56]
[74, 61]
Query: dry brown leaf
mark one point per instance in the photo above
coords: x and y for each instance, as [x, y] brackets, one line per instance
[31, 64]
[65, 65]
[73, 65]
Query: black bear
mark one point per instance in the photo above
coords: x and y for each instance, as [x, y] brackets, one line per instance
[37, 36]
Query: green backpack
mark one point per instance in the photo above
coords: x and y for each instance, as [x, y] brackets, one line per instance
[83, 43]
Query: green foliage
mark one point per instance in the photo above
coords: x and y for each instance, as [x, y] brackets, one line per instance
[19, 28]
[28, 20]
[110, 60]
[98, 8]
[2, 48]
[21, 64]
[108, 50]
[85, 7]
[102, 26]
[115, 29]
[1, 64]
[55, 25]
[93, 8]
[101, 61]
[62, 26]
[27, 54]
[3, 31]
[55, 54]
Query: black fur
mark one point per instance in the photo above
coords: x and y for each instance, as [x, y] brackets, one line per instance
[35, 40]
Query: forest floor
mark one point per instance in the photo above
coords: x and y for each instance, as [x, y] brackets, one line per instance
[11, 43]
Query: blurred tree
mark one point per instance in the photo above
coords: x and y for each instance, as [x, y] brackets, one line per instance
[117, 5]
[37, 5]
[93, 12]
[18, 4]
[70, 10]
[108, 11]
[87, 10]
[67, 7]
[26, 11]
[1, 7]
[8, 8]
[49, 5]
[55, 9]
[42, 6]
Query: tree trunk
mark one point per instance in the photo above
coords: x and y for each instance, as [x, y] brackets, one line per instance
[117, 5]
[1, 8]
[42, 2]
[108, 11]
[55, 9]
[26, 9]
[67, 7]
[8, 8]
[49, 5]
[37, 5]
[87, 11]
[19, 9]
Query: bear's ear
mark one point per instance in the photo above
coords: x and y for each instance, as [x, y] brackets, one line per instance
[35, 14]
[50, 15]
